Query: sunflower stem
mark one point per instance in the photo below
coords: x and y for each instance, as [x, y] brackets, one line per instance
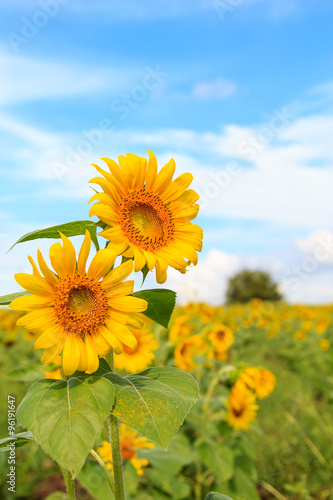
[119, 490]
[113, 425]
[105, 469]
[109, 359]
[69, 482]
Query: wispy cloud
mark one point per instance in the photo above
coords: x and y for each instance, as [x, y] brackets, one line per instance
[217, 89]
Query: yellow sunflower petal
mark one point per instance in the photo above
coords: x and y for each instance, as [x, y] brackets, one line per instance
[51, 354]
[118, 274]
[121, 289]
[123, 333]
[101, 345]
[70, 355]
[35, 271]
[69, 255]
[34, 284]
[177, 187]
[111, 339]
[29, 302]
[151, 171]
[57, 259]
[82, 366]
[48, 274]
[84, 253]
[37, 319]
[50, 337]
[128, 304]
[92, 358]
[101, 263]
[164, 177]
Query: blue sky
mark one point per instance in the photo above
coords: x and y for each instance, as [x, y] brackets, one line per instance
[239, 92]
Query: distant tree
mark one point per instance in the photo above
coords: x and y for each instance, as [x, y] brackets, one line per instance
[247, 285]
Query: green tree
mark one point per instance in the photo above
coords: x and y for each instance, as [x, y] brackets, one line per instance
[247, 285]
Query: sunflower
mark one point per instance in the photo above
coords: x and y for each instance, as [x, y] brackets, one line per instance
[186, 350]
[134, 360]
[241, 407]
[262, 382]
[149, 215]
[129, 444]
[74, 312]
[324, 344]
[221, 337]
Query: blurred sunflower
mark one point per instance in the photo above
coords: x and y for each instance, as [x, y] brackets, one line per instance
[134, 360]
[324, 344]
[129, 444]
[221, 337]
[262, 382]
[149, 215]
[241, 407]
[186, 350]
[73, 311]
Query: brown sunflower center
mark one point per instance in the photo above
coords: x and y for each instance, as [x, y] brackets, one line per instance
[238, 412]
[146, 220]
[80, 305]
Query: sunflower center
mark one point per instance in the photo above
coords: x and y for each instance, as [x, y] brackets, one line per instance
[239, 410]
[146, 220]
[81, 305]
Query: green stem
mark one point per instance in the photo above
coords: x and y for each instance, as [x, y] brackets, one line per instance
[205, 409]
[69, 482]
[104, 467]
[109, 359]
[116, 458]
[112, 421]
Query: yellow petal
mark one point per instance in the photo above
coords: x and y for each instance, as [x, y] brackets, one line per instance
[51, 354]
[82, 366]
[69, 255]
[121, 289]
[122, 332]
[35, 271]
[118, 274]
[101, 263]
[177, 187]
[104, 213]
[128, 304]
[134, 319]
[39, 319]
[49, 275]
[57, 259]
[139, 260]
[101, 345]
[50, 337]
[111, 339]
[92, 358]
[29, 302]
[151, 171]
[34, 284]
[70, 355]
[84, 254]
[164, 177]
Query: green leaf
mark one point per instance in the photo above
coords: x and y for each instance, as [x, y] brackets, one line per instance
[145, 271]
[57, 495]
[20, 440]
[66, 416]
[161, 303]
[216, 496]
[172, 461]
[174, 486]
[7, 299]
[219, 459]
[93, 479]
[155, 401]
[69, 229]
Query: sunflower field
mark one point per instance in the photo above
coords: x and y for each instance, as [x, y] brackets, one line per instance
[262, 428]
[135, 398]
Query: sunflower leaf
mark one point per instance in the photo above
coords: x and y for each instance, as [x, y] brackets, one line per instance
[7, 299]
[155, 401]
[20, 440]
[217, 496]
[161, 303]
[69, 229]
[67, 416]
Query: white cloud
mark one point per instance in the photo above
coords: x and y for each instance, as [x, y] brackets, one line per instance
[44, 79]
[217, 89]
